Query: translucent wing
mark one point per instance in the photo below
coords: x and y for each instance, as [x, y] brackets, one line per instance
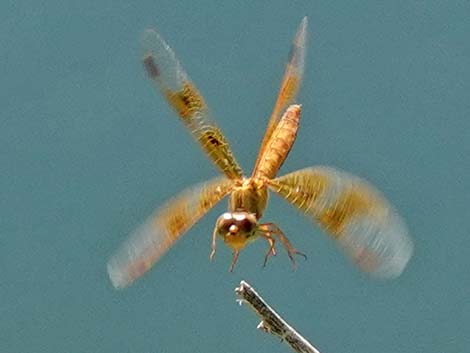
[151, 240]
[168, 76]
[354, 213]
[290, 84]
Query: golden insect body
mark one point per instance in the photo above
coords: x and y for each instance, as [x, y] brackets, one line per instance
[250, 195]
[350, 210]
[278, 145]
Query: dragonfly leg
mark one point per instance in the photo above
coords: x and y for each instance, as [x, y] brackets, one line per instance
[214, 244]
[234, 260]
[273, 229]
[271, 250]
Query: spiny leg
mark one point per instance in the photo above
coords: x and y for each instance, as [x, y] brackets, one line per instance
[289, 247]
[273, 229]
[271, 251]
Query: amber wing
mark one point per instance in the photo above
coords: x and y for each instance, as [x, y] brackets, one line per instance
[354, 213]
[151, 240]
[169, 78]
[289, 87]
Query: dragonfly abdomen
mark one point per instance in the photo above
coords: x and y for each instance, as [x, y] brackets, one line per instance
[279, 144]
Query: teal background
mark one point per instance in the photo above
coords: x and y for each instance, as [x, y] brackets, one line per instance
[88, 150]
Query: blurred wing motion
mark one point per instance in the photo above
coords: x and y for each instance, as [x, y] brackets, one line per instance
[170, 79]
[149, 242]
[290, 85]
[356, 215]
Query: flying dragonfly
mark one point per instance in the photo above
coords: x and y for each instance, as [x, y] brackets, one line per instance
[349, 209]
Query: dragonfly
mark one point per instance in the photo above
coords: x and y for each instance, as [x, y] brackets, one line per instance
[355, 214]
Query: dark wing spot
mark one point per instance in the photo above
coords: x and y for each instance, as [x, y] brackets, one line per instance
[212, 137]
[213, 140]
[150, 66]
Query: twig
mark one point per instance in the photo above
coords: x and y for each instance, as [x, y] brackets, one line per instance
[272, 321]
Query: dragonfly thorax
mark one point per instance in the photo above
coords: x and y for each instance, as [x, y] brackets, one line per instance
[249, 196]
[237, 228]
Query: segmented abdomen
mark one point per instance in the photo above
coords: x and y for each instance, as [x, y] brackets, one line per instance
[280, 143]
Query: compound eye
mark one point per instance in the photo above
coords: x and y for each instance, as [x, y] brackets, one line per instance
[246, 225]
[224, 223]
[224, 227]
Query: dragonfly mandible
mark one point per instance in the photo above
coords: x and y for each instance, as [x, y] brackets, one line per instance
[349, 209]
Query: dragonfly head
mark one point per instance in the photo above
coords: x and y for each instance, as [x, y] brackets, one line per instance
[237, 229]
